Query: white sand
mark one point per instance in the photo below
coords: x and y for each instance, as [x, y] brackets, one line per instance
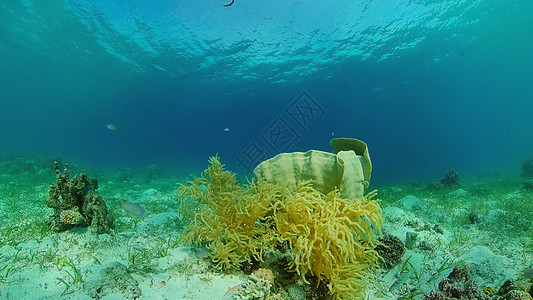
[35, 268]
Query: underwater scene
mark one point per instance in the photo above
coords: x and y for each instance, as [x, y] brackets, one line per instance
[267, 150]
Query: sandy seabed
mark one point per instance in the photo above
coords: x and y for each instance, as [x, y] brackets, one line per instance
[485, 222]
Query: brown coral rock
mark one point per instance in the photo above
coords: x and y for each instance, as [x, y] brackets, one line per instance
[76, 202]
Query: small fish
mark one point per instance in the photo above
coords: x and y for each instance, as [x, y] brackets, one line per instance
[233, 292]
[229, 4]
[200, 253]
[111, 127]
[87, 189]
[528, 273]
[133, 208]
[226, 129]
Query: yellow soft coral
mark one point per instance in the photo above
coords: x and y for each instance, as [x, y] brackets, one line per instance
[229, 218]
[329, 237]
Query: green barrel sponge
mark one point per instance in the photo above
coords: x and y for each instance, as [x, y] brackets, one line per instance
[348, 169]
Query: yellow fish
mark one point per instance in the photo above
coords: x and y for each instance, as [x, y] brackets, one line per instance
[133, 208]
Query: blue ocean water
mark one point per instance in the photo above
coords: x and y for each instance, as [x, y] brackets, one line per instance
[428, 85]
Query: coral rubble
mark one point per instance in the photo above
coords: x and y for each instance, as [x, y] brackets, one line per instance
[527, 186]
[391, 250]
[451, 179]
[527, 168]
[76, 203]
[458, 285]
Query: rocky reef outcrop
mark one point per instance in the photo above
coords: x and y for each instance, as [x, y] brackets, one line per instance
[77, 203]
